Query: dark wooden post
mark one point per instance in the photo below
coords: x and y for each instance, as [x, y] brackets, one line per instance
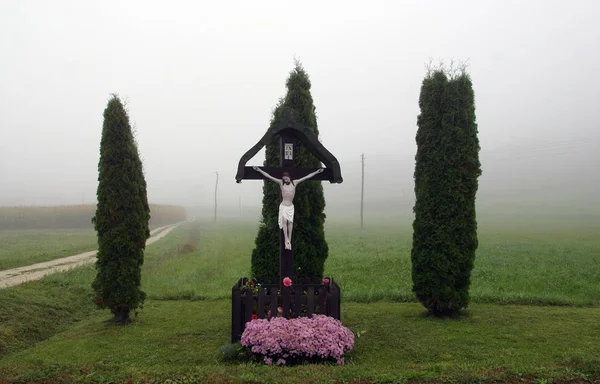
[237, 317]
[286, 256]
[362, 190]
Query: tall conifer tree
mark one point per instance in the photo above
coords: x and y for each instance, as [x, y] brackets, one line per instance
[309, 244]
[122, 216]
[446, 173]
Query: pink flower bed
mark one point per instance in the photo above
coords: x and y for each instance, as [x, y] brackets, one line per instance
[304, 338]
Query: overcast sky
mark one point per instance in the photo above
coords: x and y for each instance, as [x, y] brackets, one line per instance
[201, 79]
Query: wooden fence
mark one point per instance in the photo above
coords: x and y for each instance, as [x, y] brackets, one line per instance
[301, 300]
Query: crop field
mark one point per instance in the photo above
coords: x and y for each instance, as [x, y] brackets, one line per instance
[75, 216]
[533, 315]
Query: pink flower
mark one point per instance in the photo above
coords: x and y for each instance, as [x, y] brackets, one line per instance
[325, 281]
[319, 336]
[287, 282]
[279, 310]
[254, 317]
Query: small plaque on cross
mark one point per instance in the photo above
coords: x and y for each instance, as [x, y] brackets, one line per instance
[289, 151]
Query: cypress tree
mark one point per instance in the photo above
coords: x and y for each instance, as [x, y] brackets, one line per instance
[121, 218]
[446, 172]
[308, 238]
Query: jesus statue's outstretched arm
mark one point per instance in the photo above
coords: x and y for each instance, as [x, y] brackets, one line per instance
[308, 176]
[265, 174]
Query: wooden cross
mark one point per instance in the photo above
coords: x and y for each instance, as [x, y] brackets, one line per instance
[290, 132]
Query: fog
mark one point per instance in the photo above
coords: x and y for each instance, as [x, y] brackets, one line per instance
[201, 79]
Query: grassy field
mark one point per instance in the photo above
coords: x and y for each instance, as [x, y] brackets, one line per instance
[24, 247]
[34, 311]
[49, 329]
[550, 267]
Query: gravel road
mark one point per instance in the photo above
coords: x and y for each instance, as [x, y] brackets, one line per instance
[16, 276]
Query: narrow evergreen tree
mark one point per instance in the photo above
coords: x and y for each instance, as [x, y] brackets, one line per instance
[122, 216]
[446, 172]
[309, 244]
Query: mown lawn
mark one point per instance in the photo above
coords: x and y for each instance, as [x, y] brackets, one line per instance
[181, 339]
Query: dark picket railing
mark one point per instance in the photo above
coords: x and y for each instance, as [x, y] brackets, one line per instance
[299, 300]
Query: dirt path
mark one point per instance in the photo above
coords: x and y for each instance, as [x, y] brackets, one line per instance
[16, 276]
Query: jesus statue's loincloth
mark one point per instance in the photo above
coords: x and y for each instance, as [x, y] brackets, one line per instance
[286, 211]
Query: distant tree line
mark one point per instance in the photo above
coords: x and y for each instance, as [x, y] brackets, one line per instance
[76, 216]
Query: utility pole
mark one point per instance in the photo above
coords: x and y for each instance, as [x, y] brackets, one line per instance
[362, 189]
[216, 185]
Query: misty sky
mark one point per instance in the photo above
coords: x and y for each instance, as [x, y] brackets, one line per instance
[201, 79]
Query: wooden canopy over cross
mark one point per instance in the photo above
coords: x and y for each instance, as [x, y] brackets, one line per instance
[290, 133]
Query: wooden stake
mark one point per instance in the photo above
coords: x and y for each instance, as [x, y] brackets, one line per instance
[216, 186]
[362, 190]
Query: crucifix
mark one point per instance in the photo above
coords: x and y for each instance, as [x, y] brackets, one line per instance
[286, 207]
[289, 177]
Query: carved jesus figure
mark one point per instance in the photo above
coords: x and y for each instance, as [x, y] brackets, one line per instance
[286, 208]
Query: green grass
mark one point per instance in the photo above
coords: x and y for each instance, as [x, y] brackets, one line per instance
[543, 264]
[549, 266]
[34, 311]
[181, 339]
[546, 267]
[37, 310]
[24, 247]
[175, 337]
[222, 257]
